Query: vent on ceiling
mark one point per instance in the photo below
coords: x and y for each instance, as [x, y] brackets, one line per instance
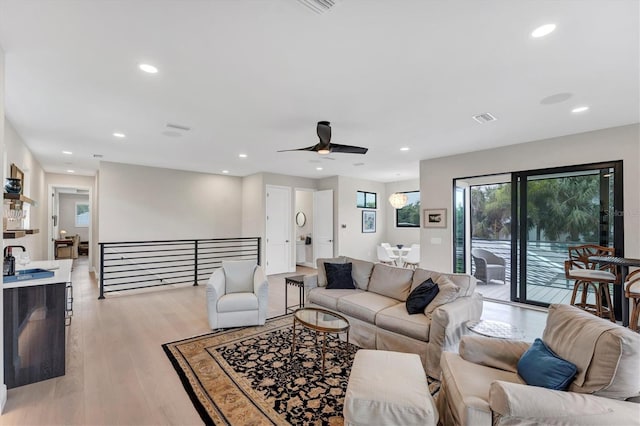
[485, 117]
[318, 6]
[178, 126]
[98, 155]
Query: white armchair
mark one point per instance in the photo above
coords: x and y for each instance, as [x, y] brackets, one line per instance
[237, 295]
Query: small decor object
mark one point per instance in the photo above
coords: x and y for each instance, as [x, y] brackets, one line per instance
[63, 234]
[435, 218]
[16, 173]
[13, 185]
[301, 219]
[398, 200]
[368, 221]
[339, 276]
[399, 246]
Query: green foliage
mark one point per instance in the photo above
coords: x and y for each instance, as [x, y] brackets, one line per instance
[409, 215]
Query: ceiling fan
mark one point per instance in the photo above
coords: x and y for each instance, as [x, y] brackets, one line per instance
[325, 147]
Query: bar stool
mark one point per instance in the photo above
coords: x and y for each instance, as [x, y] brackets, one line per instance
[632, 292]
[587, 275]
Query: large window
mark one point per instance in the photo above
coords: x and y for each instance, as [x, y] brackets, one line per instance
[409, 215]
[82, 215]
[366, 200]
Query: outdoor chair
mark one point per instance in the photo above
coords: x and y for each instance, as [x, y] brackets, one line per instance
[632, 291]
[488, 266]
[588, 275]
[237, 295]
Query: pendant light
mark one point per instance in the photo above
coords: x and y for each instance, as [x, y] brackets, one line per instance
[398, 200]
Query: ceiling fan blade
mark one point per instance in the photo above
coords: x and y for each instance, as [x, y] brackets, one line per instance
[324, 132]
[309, 148]
[348, 149]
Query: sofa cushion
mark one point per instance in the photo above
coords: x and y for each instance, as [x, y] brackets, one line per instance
[448, 293]
[339, 276]
[364, 305]
[605, 353]
[539, 366]
[236, 302]
[391, 281]
[397, 319]
[466, 283]
[238, 275]
[361, 272]
[322, 277]
[421, 296]
[328, 298]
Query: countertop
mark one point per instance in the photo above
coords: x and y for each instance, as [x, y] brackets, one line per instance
[61, 268]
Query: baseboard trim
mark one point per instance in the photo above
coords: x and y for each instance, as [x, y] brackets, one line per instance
[3, 397]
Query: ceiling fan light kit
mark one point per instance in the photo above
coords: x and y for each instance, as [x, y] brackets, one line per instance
[325, 147]
[398, 200]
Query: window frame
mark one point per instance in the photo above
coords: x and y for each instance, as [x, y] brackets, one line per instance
[417, 225]
[366, 197]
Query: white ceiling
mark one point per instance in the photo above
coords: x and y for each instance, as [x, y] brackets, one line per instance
[254, 77]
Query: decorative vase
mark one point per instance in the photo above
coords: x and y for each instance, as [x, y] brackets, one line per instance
[13, 185]
[400, 246]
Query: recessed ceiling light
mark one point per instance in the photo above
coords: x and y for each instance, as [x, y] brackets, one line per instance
[119, 135]
[318, 168]
[579, 109]
[543, 30]
[225, 171]
[404, 148]
[148, 68]
[242, 155]
[67, 152]
[71, 171]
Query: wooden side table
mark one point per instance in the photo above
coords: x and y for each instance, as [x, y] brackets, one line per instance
[296, 281]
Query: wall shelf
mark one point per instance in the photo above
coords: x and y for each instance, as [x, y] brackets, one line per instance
[18, 197]
[18, 233]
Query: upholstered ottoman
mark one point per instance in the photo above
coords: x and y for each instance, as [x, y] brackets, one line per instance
[388, 388]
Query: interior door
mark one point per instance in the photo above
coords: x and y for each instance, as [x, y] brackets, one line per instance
[278, 232]
[322, 238]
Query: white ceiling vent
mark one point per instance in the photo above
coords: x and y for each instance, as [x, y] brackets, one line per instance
[485, 117]
[98, 155]
[178, 127]
[318, 6]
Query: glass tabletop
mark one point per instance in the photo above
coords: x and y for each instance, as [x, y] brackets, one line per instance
[321, 320]
[497, 329]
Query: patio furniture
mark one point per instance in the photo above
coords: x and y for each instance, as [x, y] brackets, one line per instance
[488, 266]
[588, 274]
[386, 256]
[237, 295]
[632, 291]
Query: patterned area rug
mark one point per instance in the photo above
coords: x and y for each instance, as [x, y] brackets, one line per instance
[247, 376]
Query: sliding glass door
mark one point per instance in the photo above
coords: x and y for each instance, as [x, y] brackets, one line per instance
[556, 209]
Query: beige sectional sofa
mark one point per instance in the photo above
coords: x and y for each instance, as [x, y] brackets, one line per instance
[378, 316]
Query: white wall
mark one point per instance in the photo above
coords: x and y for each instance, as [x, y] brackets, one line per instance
[34, 188]
[3, 387]
[67, 215]
[395, 235]
[436, 179]
[146, 203]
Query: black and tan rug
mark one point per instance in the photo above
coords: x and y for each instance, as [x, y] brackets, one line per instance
[247, 376]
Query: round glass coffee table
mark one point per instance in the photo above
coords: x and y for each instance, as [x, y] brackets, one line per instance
[321, 321]
[496, 329]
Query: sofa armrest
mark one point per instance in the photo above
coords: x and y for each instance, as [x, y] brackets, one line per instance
[310, 282]
[497, 353]
[447, 323]
[215, 290]
[261, 290]
[512, 401]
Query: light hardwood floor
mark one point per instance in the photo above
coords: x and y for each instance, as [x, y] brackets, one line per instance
[117, 372]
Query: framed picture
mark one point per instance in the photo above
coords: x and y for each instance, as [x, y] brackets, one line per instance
[368, 221]
[435, 218]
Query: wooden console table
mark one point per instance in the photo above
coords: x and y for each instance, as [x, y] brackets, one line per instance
[34, 325]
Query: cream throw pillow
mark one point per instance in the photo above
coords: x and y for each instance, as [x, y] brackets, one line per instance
[448, 293]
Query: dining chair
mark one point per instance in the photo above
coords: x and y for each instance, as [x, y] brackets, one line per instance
[632, 292]
[591, 275]
[412, 259]
[384, 256]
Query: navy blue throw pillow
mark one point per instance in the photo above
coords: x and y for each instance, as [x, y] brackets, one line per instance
[539, 366]
[421, 296]
[339, 276]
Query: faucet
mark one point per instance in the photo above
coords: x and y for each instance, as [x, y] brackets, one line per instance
[20, 247]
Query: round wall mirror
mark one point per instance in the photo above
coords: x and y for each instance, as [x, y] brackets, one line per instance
[301, 219]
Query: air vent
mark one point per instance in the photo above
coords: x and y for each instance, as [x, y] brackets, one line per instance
[98, 155]
[358, 164]
[318, 6]
[485, 117]
[178, 126]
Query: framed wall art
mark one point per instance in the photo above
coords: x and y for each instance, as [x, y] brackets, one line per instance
[434, 218]
[368, 221]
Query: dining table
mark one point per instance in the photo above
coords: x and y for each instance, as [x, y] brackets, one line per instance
[618, 291]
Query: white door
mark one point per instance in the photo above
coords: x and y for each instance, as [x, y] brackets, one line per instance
[322, 224]
[278, 230]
